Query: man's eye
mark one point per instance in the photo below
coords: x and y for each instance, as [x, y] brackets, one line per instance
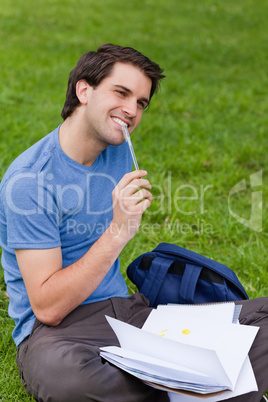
[121, 92]
[142, 104]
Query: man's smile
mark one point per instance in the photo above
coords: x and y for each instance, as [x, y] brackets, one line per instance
[120, 121]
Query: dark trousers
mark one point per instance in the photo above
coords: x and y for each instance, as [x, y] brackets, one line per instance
[62, 364]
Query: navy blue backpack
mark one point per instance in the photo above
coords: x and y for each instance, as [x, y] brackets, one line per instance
[172, 274]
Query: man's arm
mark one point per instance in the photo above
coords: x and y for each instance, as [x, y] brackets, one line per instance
[54, 292]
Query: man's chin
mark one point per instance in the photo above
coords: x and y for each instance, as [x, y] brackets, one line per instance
[114, 141]
[117, 140]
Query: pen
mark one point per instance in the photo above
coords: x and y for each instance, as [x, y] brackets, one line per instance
[128, 140]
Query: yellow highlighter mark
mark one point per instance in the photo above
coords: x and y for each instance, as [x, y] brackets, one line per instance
[185, 331]
[162, 333]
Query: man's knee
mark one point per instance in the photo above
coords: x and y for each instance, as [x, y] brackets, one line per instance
[59, 372]
[254, 311]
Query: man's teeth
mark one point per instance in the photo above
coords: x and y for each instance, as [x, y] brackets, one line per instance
[122, 123]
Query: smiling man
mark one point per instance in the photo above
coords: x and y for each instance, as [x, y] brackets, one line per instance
[69, 205]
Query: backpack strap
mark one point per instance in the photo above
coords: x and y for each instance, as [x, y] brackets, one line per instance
[189, 282]
[155, 278]
[223, 270]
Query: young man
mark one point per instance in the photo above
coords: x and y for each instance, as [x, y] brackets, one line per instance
[69, 205]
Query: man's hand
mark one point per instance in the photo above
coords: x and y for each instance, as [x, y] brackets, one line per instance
[131, 197]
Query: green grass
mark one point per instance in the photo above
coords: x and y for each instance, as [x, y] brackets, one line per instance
[204, 132]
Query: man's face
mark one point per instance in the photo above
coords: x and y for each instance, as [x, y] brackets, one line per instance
[119, 98]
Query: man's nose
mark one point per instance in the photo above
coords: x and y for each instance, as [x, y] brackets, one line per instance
[130, 108]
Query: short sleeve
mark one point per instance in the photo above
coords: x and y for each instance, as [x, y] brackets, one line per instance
[32, 217]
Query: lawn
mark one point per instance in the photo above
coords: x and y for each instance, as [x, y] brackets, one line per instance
[203, 140]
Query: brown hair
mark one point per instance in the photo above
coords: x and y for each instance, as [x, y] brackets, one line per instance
[93, 67]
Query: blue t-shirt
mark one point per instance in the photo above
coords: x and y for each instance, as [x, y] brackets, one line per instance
[48, 200]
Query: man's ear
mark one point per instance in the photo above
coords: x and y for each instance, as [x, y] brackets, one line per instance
[82, 89]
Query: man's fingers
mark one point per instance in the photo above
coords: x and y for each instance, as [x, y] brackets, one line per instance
[140, 207]
[141, 183]
[141, 194]
[130, 185]
[131, 197]
[145, 204]
[129, 177]
[134, 186]
[135, 203]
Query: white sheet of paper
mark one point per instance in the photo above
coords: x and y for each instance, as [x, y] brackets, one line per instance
[231, 342]
[129, 354]
[222, 312]
[246, 383]
[161, 375]
[215, 350]
[155, 367]
[192, 357]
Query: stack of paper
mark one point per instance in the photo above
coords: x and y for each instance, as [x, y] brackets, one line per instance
[197, 350]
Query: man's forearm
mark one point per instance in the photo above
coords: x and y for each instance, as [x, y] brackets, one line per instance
[67, 288]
